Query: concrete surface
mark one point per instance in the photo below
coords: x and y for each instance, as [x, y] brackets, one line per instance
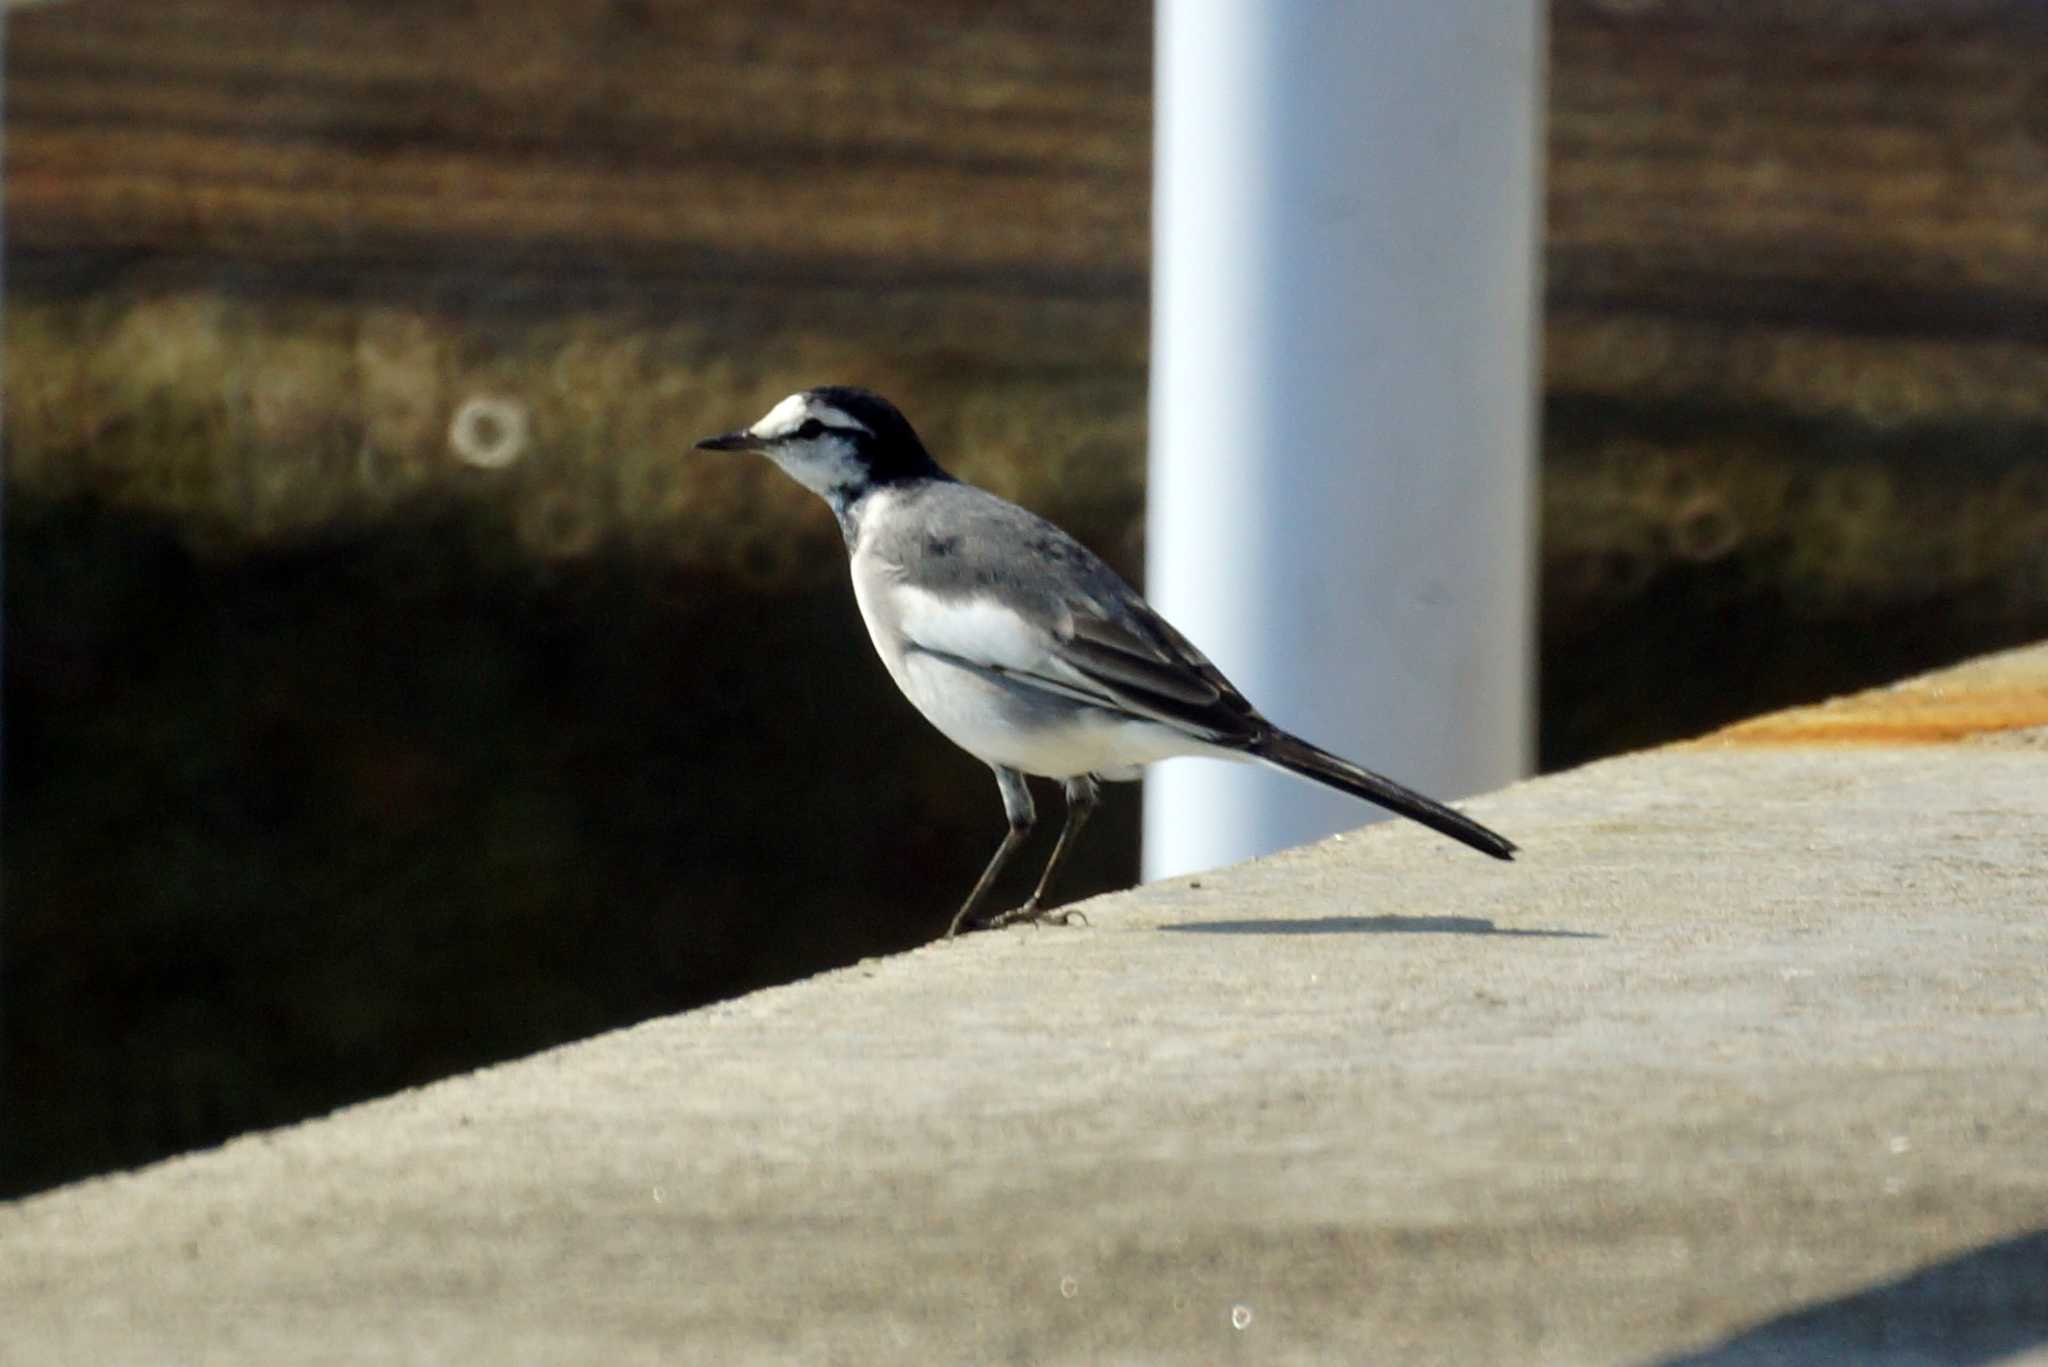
[1745, 1061]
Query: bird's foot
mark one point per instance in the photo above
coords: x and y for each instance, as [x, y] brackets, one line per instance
[1032, 914]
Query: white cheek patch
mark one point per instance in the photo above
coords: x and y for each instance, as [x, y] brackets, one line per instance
[821, 465]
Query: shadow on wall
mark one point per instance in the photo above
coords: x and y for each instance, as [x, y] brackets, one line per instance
[296, 828]
[1985, 1305]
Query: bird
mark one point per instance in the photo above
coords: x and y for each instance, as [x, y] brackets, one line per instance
[1020, 645]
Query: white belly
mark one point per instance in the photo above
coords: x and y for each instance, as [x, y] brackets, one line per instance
[1044, 735]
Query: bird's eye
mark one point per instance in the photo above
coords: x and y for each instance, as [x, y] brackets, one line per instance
[811, 428]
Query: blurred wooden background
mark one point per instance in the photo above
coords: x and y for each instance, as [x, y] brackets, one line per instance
[367, 710]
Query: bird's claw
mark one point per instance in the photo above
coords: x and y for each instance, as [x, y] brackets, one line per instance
[1031, 914]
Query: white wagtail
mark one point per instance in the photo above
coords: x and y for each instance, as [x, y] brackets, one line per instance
[1022, 647]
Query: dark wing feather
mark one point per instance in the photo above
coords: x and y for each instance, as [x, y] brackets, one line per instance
[1152, 671]
[1121, 669]
[1109, 648]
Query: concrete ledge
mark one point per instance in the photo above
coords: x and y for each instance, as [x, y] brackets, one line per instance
[1746, 1059]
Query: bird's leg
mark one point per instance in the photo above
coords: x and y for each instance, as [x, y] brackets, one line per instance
[1023, 815]
[1083, 792]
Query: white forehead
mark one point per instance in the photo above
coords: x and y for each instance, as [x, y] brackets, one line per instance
[794, 411]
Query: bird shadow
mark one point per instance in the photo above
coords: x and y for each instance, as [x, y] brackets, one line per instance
[1982, 1305]
[1375, 925]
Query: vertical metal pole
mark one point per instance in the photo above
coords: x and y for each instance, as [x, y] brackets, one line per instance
[1344, 339]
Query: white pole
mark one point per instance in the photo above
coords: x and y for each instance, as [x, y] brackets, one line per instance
[1344, 336]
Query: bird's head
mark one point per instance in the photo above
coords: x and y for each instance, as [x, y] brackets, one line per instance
[836, 441]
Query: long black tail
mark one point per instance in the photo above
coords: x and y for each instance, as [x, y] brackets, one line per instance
[1298, 756]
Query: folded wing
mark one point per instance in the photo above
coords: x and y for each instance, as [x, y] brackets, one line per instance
[1123, 658]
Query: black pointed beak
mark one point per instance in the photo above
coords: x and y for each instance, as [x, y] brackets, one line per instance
[741, 440]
